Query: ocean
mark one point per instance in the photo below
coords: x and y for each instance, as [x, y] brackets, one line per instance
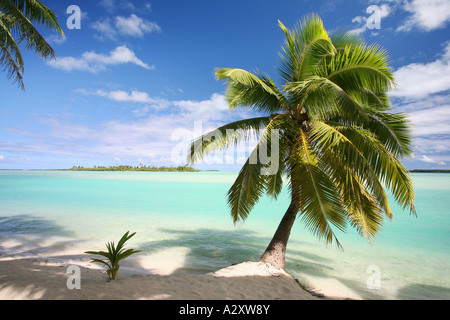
[182, 223]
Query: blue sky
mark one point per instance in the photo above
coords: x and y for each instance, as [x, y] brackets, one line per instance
[136, 81]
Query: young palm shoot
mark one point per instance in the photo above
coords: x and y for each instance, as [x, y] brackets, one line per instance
[114, 255]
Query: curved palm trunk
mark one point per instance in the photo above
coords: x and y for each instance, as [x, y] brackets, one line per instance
[275, 251]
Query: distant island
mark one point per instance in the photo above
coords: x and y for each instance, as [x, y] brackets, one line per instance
[431, 170]
[137, 168]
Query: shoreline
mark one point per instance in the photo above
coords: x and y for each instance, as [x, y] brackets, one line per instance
[39, 278]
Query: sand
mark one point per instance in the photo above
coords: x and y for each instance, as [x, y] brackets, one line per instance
[26, 278]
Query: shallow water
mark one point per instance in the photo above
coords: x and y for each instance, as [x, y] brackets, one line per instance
[182, 222]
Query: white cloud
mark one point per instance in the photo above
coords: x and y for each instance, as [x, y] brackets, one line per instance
[124, 96]
[426, 14]
[427, 159]
[56, 39]
[148, 6]
[59, 129]
[2, 157]
[430, 118]
[135, 96]
[165, 134]
[423, 94]
[108, 5]
[128, 5]
[432, 145]
[431, 121]
[111, 5]
[214, 108]
[142, 111]
[105, 29]
[91, 61]
[360, 22]
[418, 80]
[135, 26]
[129, 26]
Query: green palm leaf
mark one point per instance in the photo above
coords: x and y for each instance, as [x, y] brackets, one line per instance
[364, 212]
[304, 48]
[246, 190]
[343, 39]
[393, 130]
[328, 136]
[249, 184]
[10, 55]
[250, 90]
[114, 255]
[223, 137]
[390, 170]
[360, 67]
[319, 199]
[17, 19]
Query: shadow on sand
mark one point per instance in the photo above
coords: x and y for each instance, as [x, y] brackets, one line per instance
[25, 277]
[208, 251]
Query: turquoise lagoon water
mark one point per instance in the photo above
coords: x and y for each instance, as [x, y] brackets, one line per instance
[182, 222]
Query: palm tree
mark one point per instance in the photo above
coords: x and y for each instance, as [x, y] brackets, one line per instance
[16, 25]
[339, 143]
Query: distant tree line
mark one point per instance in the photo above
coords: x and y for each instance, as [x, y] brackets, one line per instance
[431, 170]
[141, 167]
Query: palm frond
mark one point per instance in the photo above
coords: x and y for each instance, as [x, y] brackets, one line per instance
[250, 90]
[105, 262]
[274, 182]
[288, 63]
[393, 130]
[101, 253]
[352, 151]
[359, 67]
[25, 30]
[364, 213]
[343, 39]
[320, 202]
[11, 58]
[257, 176]
[363, 210]
[387, 167]
[10, 55]
[223, 137]
[305, 47]
[246, 190]
[16, 25]
[39, 13]
[323, 99]
[126, 253]
[124, 239]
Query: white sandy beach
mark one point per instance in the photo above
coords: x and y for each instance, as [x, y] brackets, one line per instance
[39, 279]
